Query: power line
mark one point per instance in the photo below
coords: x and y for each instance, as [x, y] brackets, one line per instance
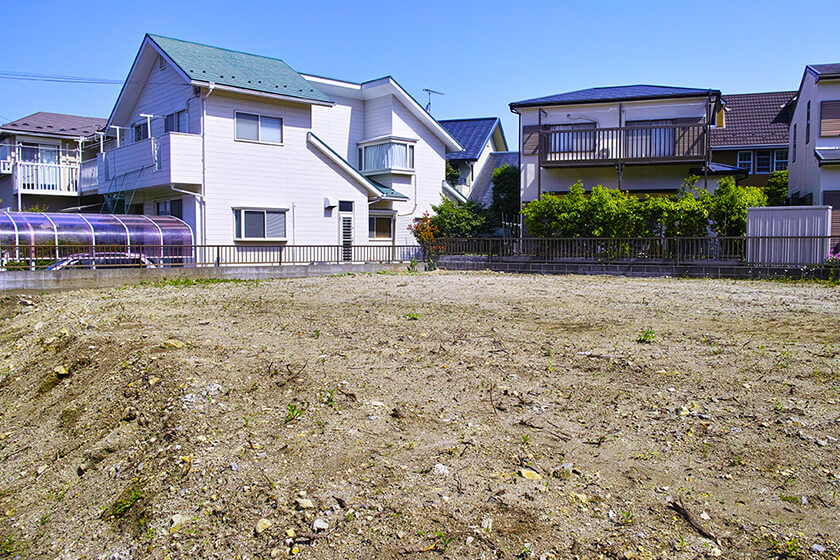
[64, 79]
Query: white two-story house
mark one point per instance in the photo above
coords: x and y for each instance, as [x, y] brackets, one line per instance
[248, 151]
[642, 139]
[42, 160]
[814, 168]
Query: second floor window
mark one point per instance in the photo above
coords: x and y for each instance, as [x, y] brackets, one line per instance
[140, 131]
[259, 128]
[386, 156]
[763, 161]
[830, 118]
[745, 161]
[780, 160]
[175, 122]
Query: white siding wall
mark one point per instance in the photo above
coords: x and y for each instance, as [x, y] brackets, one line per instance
[293, 176]
[805, 174]
[165, 92]
[341, 126]
[378, 117]
[429, 165]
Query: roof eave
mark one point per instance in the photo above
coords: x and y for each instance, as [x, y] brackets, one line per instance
[534, 103]
[257, 93]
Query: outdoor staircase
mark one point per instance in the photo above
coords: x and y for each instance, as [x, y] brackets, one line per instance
[121, 192]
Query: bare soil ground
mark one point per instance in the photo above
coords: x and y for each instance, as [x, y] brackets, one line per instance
[451, 415]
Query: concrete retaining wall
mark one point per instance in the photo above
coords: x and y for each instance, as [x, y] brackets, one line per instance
[45, 280]
[631, 269]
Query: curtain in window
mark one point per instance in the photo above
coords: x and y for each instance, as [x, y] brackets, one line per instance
[386, 156]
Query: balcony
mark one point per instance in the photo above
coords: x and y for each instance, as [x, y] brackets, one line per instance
[170, 159]
[54, 179]
[628, 145]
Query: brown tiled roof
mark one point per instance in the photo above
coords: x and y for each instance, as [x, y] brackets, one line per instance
[754, 119]
[56, 124]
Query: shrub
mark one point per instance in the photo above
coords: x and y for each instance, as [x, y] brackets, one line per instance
[505, 206]
[728, 207]
[460, 220]
[425, 232]
[452, 173]
[776, 188]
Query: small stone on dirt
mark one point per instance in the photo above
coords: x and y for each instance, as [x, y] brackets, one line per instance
[154, 380]
[530, 474]
[320, 525]
[176, 522]
[61, 371]
[174, 343]
[441, 469]
[304, 503]
[819, 549]
[262, 525]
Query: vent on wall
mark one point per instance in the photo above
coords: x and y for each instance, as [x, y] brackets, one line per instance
[161, 63]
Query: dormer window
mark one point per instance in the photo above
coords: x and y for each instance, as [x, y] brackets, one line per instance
[388, 156]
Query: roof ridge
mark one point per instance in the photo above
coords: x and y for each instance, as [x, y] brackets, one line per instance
[152, 36]
[469, 119]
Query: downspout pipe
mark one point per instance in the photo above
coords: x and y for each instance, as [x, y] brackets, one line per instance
[202, 197]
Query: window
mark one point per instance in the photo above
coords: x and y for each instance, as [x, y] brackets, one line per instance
[173, 208]
[259, 224]
[386, 156]
[745, 161]
[780, 162]
[381, 227]
[578, 137]
[808, 124]
[175, 122]
[763, 161]
[141, 131]
[830, 118]
[345, 205]
[794, 142]
[259, 128]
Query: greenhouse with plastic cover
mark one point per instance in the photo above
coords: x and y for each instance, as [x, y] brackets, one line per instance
[30, 240]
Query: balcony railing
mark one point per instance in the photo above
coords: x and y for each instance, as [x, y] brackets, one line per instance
[46, 178]
[89, 174]
[629, 144]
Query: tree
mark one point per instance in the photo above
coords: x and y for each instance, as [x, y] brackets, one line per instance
[776, 188]
[425, 233]
[505, 206]
[728, 205]
[452, 219]
[554, 216]
[452, 174]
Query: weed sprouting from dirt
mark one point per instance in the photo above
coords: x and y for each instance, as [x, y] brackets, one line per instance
[183, 281]
[130, 496]
[647, 336]
[294, 411]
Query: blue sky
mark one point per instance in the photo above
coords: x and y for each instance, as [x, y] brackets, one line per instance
[483, 55]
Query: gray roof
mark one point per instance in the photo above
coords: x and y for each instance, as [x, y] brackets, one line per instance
[614, 93]
[826, 69]
[472, 134]
[56, 124]
[827, 155]
[754, 119]
[238, 69]
[482, 188]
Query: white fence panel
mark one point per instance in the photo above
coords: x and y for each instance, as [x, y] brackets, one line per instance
[803, 231]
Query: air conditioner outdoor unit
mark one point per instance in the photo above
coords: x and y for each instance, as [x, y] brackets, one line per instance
[6, 167]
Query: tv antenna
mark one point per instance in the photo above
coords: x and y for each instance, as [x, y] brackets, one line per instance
[430, 92]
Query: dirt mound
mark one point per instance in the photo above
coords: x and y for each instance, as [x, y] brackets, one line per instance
[403, 416]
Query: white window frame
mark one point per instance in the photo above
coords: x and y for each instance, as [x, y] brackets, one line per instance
[239, 235]
[373, 215]
[755, 162]
[260, 117]
[752, 161]
[411, 155]
[777, 160]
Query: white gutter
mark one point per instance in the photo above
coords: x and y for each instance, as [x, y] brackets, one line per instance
[455, 193]
[201, 197]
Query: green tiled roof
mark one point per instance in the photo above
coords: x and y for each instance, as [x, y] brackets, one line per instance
[387, 191]
[242, 70]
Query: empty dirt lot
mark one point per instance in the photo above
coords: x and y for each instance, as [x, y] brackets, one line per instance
[419, 416]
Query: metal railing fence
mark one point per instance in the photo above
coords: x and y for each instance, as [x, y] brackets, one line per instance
[50, 256]
[752, 250]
